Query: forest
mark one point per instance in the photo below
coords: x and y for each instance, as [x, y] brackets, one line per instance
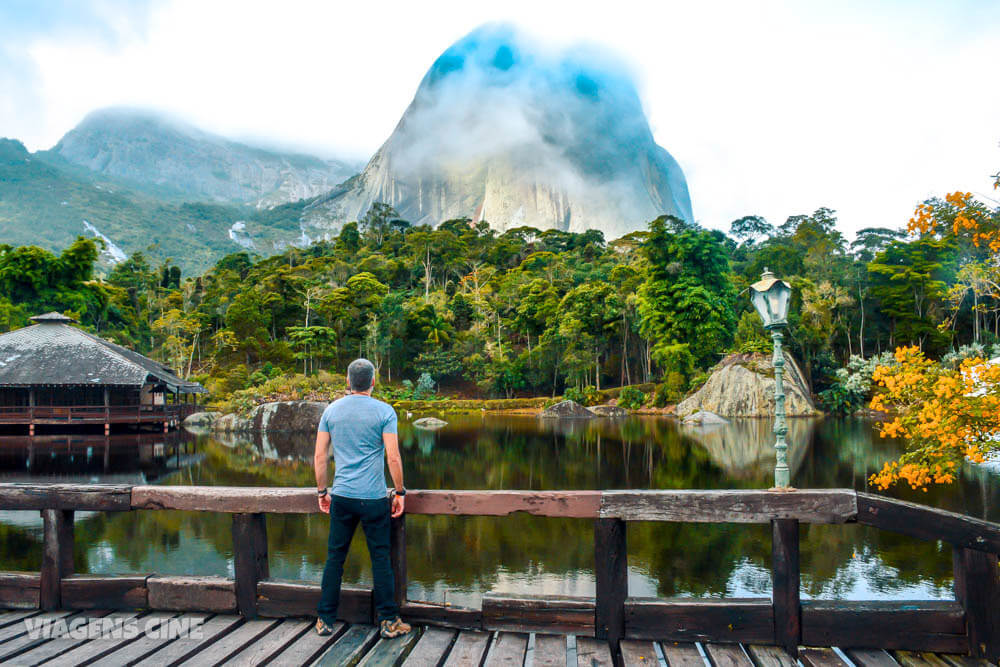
[471, 311]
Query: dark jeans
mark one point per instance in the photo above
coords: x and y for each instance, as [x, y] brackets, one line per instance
[374, 517]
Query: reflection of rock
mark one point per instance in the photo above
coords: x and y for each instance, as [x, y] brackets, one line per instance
[705, 418]
[432, 423]
[742, 385]
[744, 448]
[567, 410]
[609, 411]
[202, 419]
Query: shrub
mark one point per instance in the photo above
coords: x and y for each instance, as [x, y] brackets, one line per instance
[750, 337]
[631, 398]
[425, 386]
[575, 394]
[591, 396]
[661, 397]
[697, 381]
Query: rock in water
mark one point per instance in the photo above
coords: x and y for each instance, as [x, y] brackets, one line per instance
[504, 131]
[612, 411]
[297, 416]
[431, 423]
[202, 419]
[566, 410]
[705, 418]
[742, 385]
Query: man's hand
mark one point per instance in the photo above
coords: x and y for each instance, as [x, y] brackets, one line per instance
[398, 505]
[324, 503]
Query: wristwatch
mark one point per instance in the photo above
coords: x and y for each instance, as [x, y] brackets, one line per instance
[321, 492]
[401, 492]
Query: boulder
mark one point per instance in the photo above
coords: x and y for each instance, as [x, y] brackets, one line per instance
[431, 423]
[202, 419]
[742, 385]
[294, 416]
[232, 423]
[705, 418]
[612, 411]
[566, 410]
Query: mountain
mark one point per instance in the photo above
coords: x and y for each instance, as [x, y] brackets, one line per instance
[47, 204]
[504, 131]
[156, 153]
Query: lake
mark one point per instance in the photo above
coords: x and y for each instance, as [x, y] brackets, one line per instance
[457, 559]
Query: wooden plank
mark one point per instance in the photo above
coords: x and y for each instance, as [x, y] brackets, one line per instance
[280, 598]
[12, 617]
[964, 660]
[89, 497]
[249, 560]
[871, 658]
[350, 647]
[977, 588]
[935, 625]
[211, 594]
[469, 649]
[611, 575]
[211, 631]
[57, 540]
[90, 591]
[153, 635]
[928, 523]
[526, 613]
[431, 649]
[17, 629]
[729, 506]
[637, 653]
[428, 613]
[785, 586]
[232, 642]
[307, 647]
[58, 646]
[508, 649]
[682, 655]
[687, 620]
[241, 499]
[19, 590]
[913, 659]
[727, 655]
[578, 504]
[99, 648]
[771, 656]
[550, 651]
[592, 653]
[397, 557]
[389, 652]
[820, 657]
[274, 642]
[25, 640]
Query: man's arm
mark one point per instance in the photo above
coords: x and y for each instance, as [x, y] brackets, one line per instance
[395, 462]
[321, 464]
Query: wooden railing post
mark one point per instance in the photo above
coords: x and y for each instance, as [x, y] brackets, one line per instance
[249, 559]
[977, 587]
[57, 556]
[397, 554]
[785, 584]
[611, 573]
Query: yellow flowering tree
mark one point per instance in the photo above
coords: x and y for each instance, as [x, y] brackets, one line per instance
[945, 415]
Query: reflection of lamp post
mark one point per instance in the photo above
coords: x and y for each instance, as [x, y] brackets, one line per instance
[770, 298]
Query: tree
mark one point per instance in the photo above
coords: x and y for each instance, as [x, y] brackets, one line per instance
[378, 222]
[749, 228]
[687, 296]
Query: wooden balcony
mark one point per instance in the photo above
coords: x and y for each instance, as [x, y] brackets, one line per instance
[95, 414]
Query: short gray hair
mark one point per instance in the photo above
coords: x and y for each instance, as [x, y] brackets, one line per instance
[360, 375]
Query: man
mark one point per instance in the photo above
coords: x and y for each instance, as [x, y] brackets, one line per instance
[363, 432]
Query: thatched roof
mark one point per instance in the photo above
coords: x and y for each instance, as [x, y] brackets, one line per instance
[54, 353]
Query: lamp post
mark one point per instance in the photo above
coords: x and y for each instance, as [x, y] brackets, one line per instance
[770, 298]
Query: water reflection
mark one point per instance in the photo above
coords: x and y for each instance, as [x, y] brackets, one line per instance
[456, 559]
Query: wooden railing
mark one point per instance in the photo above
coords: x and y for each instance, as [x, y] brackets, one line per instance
[47, 414]
[970, 624]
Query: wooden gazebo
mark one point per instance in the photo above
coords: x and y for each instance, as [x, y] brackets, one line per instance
[58, 377]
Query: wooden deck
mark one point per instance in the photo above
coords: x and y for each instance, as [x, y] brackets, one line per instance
[231, 640]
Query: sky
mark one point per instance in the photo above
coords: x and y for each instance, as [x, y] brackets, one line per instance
[771, 108]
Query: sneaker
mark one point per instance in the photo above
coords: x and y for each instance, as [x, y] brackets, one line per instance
[322, 629]
[394, 628]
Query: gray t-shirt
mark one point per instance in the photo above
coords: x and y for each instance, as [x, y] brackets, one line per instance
[356, 424]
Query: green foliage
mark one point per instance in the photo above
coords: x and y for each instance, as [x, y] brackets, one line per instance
[750, 337]
[631, 398]
[576, 395]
